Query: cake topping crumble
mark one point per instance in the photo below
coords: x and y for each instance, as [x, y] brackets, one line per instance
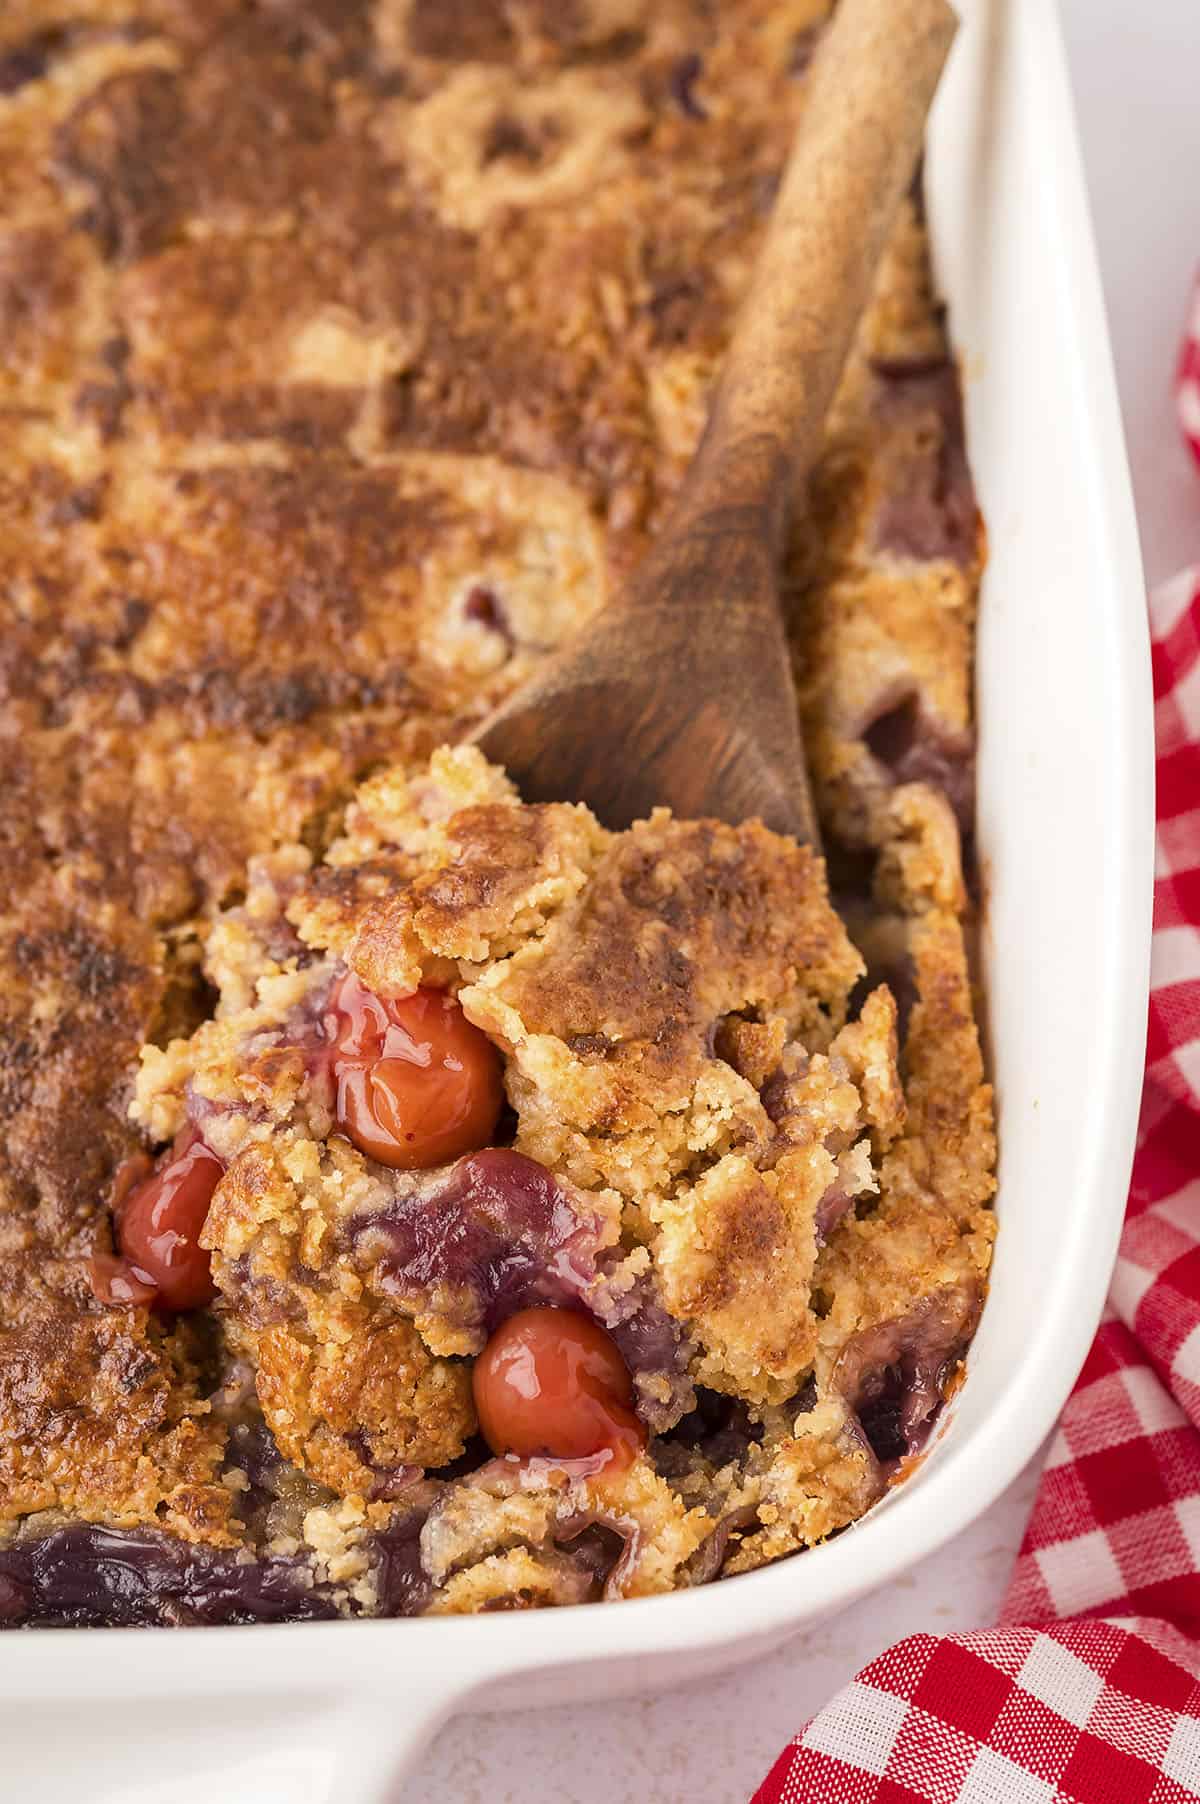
[353, 358]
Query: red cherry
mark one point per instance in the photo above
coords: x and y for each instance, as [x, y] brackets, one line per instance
[159, 1229]
[551, 1381]
[415, 1083]
[115, 1281]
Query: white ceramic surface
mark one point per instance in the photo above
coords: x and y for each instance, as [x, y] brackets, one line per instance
[711, 1742]
[310, 1713]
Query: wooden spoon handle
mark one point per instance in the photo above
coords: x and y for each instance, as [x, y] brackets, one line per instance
[867, 96]
[681, 693]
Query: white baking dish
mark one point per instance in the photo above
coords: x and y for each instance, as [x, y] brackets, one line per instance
[309, 1713]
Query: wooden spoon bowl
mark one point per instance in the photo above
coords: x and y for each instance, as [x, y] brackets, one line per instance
[680, 692]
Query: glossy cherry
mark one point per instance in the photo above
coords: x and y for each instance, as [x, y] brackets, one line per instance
[158, 1232]
[415, 1084]
[116, 1282]
[551, 1381]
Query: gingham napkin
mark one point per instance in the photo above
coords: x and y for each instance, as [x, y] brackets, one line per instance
[1089, 1691]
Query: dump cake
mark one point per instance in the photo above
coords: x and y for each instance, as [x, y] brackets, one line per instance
[415, 1200]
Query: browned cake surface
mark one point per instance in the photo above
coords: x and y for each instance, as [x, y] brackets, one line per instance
[350, 354]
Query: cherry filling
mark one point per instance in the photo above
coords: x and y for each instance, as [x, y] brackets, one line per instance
[881, 1414]
[894, 1375]
[401, 1582]
[929, 510]
[484, 607]
[719, 1429]
[159, 1222]
[89, 1576]
[682, 83]
[496, 1234]
[415, 1084]
[551, 1381]
[914, 748]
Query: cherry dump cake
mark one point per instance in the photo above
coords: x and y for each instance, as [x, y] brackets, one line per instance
[414, 1200]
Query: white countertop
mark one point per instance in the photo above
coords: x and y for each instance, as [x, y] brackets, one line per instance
[1136, 71]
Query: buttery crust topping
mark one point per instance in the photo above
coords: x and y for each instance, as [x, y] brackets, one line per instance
[353, 354]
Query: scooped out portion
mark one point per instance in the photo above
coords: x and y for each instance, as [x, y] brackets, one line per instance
[572, 1236]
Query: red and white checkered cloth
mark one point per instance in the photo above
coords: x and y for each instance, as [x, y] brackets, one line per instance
[1189, 377]
[1089, 1691]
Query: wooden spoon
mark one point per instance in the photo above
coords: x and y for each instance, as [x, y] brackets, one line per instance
[680, 692]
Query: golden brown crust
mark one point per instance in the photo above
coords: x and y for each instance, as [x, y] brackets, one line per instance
[99, 1424]
[735, 1254]
[611, 1012]
[736, 1251]
[375, 1387]
[348, 1388]
[352, 355]
[933, 1230]
[949, 1103]
[811, 1478]
[498, 1511]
